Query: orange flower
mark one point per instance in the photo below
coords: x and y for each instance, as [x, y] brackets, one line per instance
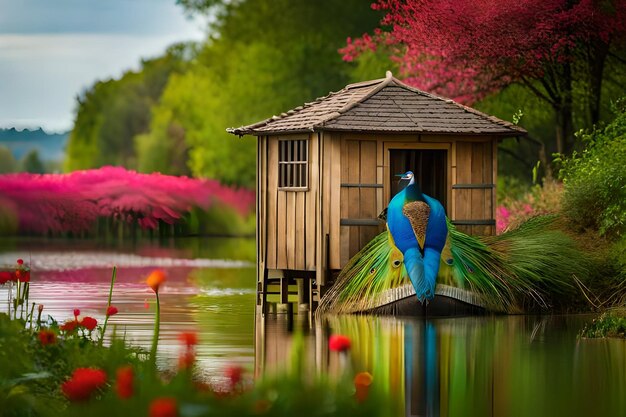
[362, 382]
[155, 279]
[189, 339]
[124, 382]
[47, 337]
[83, 383]
[163, 407]
[339, 343]
[111, 310]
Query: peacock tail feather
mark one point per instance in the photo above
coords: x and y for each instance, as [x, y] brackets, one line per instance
[511, 272]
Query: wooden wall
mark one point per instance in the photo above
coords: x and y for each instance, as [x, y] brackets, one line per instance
[349, 185]
[286, 220]
[474, 185]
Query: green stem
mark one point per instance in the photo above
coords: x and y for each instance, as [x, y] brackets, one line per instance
[32, 312]
[17, 301]
[39, 319]
[157, 324]
[106, 318]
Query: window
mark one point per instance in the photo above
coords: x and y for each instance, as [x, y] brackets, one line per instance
[293, 164]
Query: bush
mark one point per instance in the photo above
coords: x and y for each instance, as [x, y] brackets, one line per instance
[595, 179]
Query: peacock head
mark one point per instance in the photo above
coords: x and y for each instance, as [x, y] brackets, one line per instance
[408, 176]
[406, 179]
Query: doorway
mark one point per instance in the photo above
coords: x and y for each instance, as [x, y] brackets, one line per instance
[430, 167]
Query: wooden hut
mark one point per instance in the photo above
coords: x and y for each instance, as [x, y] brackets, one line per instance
[326, 169]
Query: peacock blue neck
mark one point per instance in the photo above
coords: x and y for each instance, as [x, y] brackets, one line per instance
[413, 193]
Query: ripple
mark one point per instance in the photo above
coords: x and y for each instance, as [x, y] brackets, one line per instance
[68, 261]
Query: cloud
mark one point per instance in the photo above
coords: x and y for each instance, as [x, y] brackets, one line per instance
[50, 51]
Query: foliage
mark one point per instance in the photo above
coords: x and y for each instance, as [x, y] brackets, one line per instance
[32, 163]
[595, 180]
[608, 324]
[9, 164]
[518, 206]
[73, 202]
[51, 370]
[468, 49]
[246, 71]
[111, 113]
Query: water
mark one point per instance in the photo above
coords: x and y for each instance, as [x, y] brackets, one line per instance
[469, 366]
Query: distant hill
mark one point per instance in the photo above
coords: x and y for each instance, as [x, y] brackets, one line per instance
[51, 146]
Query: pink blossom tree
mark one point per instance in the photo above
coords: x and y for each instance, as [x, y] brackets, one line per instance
[467, 49]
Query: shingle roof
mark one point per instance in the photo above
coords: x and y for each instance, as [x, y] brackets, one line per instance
[383, 105]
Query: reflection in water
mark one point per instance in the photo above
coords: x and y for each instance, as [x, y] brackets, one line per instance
[472, 366]
[509, 366]
[208, 290]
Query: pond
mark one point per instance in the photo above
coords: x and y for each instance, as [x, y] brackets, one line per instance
[468, 366]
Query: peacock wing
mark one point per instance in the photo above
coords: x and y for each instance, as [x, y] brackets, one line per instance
[417, 212]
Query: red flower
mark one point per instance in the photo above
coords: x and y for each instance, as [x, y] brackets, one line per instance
[83, 383]
[186, 360]
[89, 323]
[68, 326]
[20, 262]
[76, 312]
[189, 339]
[23, 276]
[111, 310]
[47, 337]
[234, 373]
[155, 279]
[163, 407]
[124, 382]
[339, 343]
[5, 277]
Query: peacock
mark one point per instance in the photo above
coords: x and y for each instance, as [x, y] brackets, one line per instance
[417, 226]
[421, 253]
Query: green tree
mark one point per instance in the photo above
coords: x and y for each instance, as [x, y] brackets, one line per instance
[32, 163]
[9, 164]
[111, 113]
[265, 57]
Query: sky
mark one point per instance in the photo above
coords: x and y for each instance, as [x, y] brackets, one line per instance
[51, 50]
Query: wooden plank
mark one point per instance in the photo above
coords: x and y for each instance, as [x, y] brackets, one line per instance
[322, 263]
[300, 234]
[463, 175]
[477, 211]
[487, 177]
[380, 179]
[272, 202]
[311, 202]
[281, 231]
[335, 201]
[352, 159]
[344, 239]
[367, 201]
[290, 213]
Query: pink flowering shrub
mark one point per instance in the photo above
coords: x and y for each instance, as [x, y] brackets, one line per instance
[538, 200]
[73, 202]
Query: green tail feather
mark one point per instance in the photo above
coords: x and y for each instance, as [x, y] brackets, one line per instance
[509, 272]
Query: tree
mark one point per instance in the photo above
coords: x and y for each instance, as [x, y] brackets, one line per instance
[32, 163]
[111, 113]
[467, 49]
[249, 70]
[9, 164]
